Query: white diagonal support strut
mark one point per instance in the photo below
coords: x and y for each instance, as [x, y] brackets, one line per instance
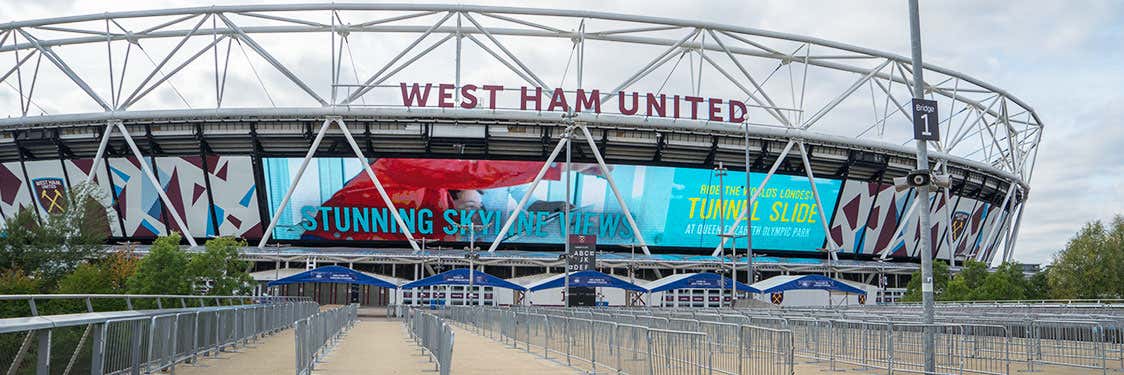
[101, 151]
[293, 184]
[978, 251]
[531, 190]
[362, 159]
[59, 63]
[816, 195]
[616, 192]
[272, 61]
[901, 227]
[745, 210]
[1009, 251]
[155, 182]
[378, 185]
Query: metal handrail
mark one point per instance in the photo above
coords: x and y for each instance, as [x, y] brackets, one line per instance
[147, 340]
[9, 297]
[129, 298]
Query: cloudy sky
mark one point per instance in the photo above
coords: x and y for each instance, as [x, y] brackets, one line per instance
[1061, 57]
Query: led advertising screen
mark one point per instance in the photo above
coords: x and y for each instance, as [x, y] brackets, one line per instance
[453, 200]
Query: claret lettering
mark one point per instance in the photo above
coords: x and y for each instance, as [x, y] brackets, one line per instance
[629, 103]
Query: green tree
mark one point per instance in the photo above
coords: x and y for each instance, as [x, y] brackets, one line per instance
[1038, 287]
[1092, 263]
[14, 281]
[88, 278]
[1006, 283]
[55, 244]
[220, 267]
[957, 290]
[940, 282]
[163, 270]
[963, 286]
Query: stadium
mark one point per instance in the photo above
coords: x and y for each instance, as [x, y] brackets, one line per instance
[479, 129]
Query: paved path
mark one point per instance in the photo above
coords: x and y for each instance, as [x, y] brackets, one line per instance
[376, 346]
[273, 355]
[474, 354]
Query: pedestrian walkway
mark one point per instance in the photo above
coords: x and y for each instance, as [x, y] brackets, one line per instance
[477, 355]
[376, 346]
[275, 354]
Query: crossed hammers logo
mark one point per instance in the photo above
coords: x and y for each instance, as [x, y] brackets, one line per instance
[52, 199]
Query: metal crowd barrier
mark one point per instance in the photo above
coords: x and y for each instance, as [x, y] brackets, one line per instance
[433, 336]
[979, 340]
[976, 339]
[319, 332]
[625, 343]
[136, 341]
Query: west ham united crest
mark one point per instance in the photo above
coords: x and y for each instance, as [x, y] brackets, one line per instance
[51, 194]
[959, 222]
[777, 297]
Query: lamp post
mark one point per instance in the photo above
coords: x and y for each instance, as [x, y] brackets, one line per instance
[277, 265]
[751, 278]
[720, 171]
[472, 257]
[631, 269]
[923, 195]
[733, 266]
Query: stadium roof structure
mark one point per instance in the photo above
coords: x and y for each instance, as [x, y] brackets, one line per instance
[144, 83]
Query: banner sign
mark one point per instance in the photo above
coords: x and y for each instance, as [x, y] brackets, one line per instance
[583, 253]
[441, 199]
[589, 101]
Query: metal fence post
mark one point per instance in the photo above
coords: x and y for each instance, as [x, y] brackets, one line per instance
[97, 349]
[43, 355]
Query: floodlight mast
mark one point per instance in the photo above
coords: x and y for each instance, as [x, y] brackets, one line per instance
[923, 196]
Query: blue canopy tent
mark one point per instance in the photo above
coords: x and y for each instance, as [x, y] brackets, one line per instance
[333, 275]
[587, 278]
[459, 276]
[805, 282]
[697, 281]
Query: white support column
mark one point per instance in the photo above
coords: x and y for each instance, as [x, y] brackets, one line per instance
[616, 192]
[531, 190]
[156, 183]
[943, 166]
[293, 184]
[101, 151]
[746, 210]
[1009, 251]
[378, 185]
[991, 231]
[901, 227]
[367, 168]
[816, 195]
[1001, 234]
